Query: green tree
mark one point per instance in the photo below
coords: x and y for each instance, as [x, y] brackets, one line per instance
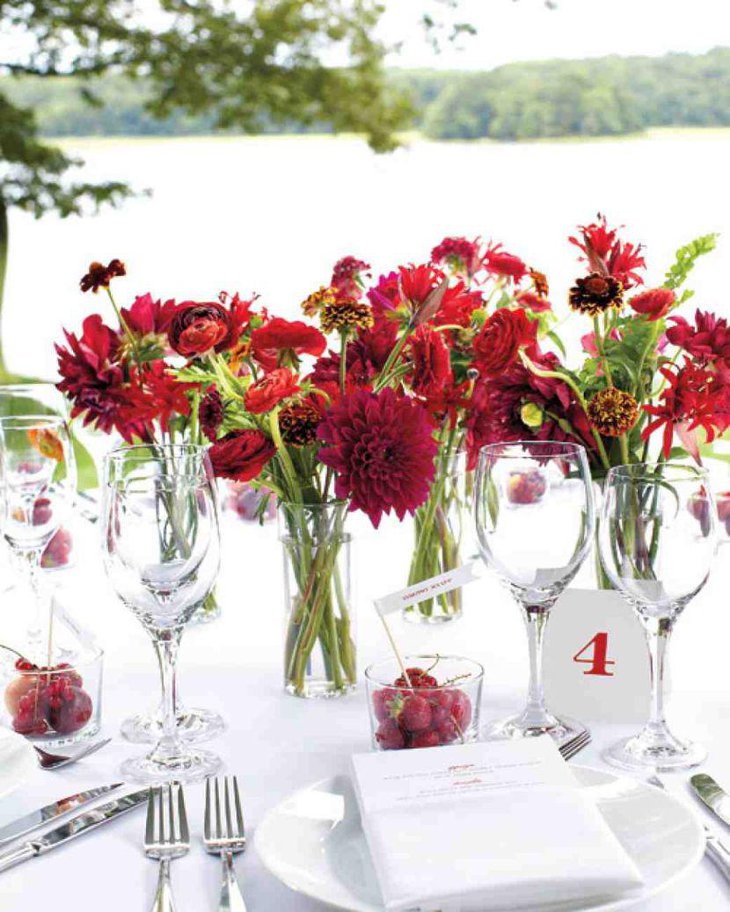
[303, 61]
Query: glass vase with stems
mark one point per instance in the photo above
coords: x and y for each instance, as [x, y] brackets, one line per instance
[440, 531]
[657, 538]
[319, 654]
[535, 524]
[161, 547]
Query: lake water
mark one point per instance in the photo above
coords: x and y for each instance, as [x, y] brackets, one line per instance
[272, 214]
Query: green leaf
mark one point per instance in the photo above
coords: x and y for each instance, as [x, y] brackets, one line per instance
[557, 341]
[88, 477]
[686, 257]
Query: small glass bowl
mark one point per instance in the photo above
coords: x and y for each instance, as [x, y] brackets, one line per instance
[428, 714]
[57, 706]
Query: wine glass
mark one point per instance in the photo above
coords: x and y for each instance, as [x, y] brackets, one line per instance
[161, 548]
[38, 489]
[657, 538]
[535, 522]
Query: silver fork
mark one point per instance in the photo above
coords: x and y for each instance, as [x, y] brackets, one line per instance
[576, 744]
[225, 840]
[166, 841]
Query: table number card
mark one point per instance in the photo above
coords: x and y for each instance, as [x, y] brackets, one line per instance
[596, 661]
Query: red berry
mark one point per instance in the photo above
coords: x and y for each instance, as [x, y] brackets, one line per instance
[418, 678]
[415, 714]
[428, 738]
[447, 731]
[389, 736]
[461, 709]
[69, 708]
[382, 700]
[526, 487]
[25, 665]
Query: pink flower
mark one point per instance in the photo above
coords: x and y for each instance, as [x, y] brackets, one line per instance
[382, 448]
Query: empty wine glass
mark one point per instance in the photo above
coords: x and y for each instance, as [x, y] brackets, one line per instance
[162, 552]
[657, 538]
[38, 488]
[535, 522]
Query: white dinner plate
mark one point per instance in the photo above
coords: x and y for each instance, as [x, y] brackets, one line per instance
[17, 760]
[314, 843]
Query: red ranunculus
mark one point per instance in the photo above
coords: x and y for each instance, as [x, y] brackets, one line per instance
[654, 303]
[499, 262]
[280, 341]
[241, 455]
[708, 341]
[431, 362]
[382, 448]
[497, 343]
[270, 390]
[199, 328]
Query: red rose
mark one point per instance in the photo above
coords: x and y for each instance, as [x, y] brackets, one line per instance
[654, 303]
[498, 341]
[431, 362]
[270, 390]
[241, 455]
[280, 340]
[198, 328]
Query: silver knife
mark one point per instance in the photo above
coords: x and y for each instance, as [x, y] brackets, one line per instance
[81, 823]
[57, 809]
[716, 799]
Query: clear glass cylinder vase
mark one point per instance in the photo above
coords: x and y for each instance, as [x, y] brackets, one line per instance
[319, 650]
[441, 540]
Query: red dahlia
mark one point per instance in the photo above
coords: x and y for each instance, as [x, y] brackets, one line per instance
[382, 448]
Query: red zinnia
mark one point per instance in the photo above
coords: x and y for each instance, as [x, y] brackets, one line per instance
[654, 303]
[431, 362]
[499, 262]
[280, 341]
[270, 390]
[499, 340]
[241, 455]
[382, 448]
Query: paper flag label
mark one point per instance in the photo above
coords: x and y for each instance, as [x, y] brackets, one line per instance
[428, 588]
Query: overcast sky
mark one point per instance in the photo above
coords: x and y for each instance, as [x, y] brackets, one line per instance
[527, 30]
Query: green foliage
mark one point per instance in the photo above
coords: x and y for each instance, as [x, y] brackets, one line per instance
[685, 260]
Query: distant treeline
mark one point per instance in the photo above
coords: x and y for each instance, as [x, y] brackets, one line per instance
[599, 97]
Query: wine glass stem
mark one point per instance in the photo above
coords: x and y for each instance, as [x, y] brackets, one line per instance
[536, 617]
[167, 644]
[658, 632]
[41, 603]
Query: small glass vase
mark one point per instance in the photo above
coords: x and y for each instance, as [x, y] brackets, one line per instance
[441, 526]
[319, 652]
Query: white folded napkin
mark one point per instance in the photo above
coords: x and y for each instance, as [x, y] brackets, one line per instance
[495, 825]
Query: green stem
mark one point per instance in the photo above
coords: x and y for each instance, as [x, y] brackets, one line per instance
[4, 238]
[601, 350]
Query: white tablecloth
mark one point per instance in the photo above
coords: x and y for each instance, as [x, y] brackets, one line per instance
[277, 744]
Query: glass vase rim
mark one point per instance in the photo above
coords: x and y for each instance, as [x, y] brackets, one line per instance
[16, 422]
[568, 448]
[643, 470]
[133, 449]
[477, 674]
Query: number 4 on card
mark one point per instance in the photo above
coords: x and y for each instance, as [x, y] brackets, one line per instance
[595, 654]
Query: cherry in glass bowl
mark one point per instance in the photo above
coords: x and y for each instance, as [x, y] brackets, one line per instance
[434, 704]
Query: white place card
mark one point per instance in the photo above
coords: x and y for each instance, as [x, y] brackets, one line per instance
[485, 826]
[596, 662]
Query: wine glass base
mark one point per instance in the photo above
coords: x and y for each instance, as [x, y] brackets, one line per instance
[561, 730]
[193, 726]
[187, 767]
[641, 754]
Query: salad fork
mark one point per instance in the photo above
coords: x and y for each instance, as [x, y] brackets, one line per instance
[225, 839]
[166, 837]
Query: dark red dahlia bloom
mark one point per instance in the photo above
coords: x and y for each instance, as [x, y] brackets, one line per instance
[497, 343]
[498, 262]
[349, 275]
[695, 397]
[382, 448]
[93, 379]
[654, 303]
[283, 341]
[459, 254]
[708, 341]
[210, 413]
[241, 455]
[515, 404]
[147, 316]
[431, 362]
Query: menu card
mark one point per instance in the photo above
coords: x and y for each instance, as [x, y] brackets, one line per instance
[495, 825]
